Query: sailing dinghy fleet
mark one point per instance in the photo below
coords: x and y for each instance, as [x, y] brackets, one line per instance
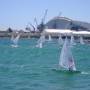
[66, 60]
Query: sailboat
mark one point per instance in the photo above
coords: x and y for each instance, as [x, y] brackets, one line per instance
[66, 58]
[15, 40]
[81, 40]
[50, 39]
[72, 41]
[60, 40]
[41, 41]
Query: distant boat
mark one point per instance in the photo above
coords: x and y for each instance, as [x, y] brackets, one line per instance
[49, 39]
[81, 40]
[15, 40]
[72, 41]
[60, 40]
[66, 58]
[41, 41]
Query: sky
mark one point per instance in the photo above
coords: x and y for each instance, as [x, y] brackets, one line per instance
[18, 13]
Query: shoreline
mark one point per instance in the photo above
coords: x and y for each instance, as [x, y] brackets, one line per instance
[23, 34]
[38, 34]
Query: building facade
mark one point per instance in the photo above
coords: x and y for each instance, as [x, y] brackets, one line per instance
[66, 23]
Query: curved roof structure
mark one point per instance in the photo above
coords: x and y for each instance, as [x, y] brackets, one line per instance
[62, 18]
[66, 23]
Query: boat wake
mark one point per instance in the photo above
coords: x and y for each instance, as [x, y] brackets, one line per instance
[14, 46]
[85, 73]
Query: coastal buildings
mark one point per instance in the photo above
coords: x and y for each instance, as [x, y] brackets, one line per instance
[66, 23]
[57, 22]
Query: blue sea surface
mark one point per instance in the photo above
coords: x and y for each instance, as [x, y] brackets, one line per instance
[30, 68]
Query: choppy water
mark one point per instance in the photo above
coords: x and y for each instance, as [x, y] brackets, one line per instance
[31, 68]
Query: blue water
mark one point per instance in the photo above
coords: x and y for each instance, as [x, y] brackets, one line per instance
[31, 68]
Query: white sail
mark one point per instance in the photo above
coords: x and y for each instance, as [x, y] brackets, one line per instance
[72, 41]
[60, 40]
[15, 40]
[40, 45]
[50, 39]
[66, 58]
[41, 41]
[81, 40]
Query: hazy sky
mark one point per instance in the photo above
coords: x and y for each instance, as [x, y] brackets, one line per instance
[17, 13]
